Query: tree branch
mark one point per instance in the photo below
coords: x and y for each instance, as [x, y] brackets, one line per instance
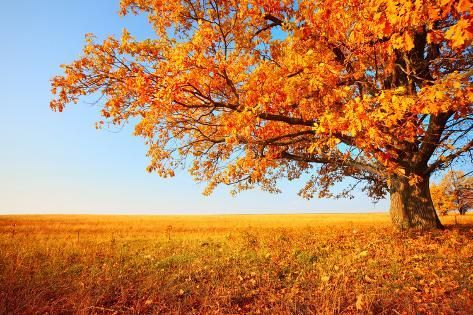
[431, 140]
[447, 159]
[331, 160]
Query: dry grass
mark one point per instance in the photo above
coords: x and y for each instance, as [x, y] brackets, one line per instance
[232, 264]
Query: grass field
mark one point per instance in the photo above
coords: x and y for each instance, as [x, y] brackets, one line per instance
[302, 264]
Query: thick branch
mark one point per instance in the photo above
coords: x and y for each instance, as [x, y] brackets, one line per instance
[330, 160]
[431, 140]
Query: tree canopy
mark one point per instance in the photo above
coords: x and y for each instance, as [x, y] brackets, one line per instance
[249, 92]
[453, 193]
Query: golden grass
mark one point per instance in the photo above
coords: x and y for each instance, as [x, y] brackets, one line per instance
[302, 264]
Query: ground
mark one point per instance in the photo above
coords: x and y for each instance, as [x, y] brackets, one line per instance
[301, 264]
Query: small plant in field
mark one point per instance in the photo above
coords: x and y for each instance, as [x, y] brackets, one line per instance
[168, 232]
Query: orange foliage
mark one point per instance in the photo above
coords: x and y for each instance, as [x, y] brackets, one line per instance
[443, 201]
[453, 193]
[254, 91]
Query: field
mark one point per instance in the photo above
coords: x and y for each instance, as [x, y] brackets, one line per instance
[301, 264]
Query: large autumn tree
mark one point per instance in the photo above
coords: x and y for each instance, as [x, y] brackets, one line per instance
[247, 92]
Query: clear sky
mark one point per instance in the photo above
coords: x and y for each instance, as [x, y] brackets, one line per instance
[58, 163]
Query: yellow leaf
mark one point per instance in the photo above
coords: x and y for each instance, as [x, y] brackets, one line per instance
[359, 302]
[368, 279]
[408, 41]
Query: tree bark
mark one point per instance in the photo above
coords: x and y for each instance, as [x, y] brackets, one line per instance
[411, 205]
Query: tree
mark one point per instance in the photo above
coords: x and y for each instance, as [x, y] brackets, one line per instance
[453, 193]
[249, 92]
[444, 194]
[465, 195]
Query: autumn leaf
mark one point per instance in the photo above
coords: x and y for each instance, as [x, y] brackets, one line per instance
[359, 302]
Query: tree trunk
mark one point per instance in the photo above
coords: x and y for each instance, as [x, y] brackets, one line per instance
[411, 205]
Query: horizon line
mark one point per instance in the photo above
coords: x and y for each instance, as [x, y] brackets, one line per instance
[186, 213]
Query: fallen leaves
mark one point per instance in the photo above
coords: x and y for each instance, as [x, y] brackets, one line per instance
[314, 262]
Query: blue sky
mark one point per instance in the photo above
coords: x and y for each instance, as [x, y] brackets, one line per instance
[58, 163]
